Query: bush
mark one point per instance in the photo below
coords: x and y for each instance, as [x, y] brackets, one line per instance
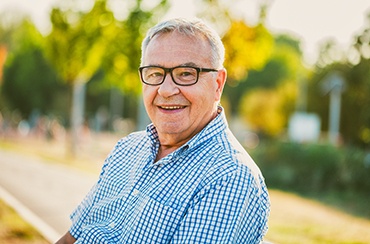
[356, 169]
[312, 167]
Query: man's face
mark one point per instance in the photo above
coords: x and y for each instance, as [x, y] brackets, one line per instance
[179, 112]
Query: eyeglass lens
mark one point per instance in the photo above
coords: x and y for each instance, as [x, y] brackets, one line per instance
[181, 75]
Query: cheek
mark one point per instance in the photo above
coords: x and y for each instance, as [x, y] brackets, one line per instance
[148, 93]
[211, 92]
[203, 98]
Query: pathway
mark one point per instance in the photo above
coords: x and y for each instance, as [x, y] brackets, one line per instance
[44, 192]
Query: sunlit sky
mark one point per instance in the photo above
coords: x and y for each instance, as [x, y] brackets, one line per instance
[312, 21]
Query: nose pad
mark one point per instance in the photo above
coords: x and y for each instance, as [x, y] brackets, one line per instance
[168, 76]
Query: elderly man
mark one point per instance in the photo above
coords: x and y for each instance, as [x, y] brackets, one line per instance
[185, 179]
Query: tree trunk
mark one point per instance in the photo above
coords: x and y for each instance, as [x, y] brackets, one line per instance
[116, 106]
[143, 118]
[77, 115]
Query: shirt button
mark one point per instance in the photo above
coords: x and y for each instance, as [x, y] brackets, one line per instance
[135, 192]
[111, 225]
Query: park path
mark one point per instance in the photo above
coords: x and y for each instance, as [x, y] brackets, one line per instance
[44, 190]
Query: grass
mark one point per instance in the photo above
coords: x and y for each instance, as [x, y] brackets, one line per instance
[14, 230]
[293, 219]
[353, 203]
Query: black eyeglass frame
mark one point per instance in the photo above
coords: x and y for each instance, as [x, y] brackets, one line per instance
[169, 70]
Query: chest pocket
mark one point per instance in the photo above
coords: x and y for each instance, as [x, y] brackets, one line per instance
[153, 223]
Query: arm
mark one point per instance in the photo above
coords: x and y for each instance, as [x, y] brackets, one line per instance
[66, 239]
[83, 209]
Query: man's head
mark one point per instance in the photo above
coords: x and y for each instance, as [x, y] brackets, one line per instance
[192, 28]
[183, 77]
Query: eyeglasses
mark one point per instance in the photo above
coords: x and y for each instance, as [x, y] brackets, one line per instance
[181, 75]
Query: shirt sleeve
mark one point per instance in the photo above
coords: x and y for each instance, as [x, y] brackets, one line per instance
[232, 210]
[81, 213]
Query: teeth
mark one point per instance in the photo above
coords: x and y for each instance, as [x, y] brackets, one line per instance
[171, 107]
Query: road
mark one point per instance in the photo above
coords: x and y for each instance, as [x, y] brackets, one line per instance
[46, 192]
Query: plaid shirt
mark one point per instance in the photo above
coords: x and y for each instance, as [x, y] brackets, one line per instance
[207, 191]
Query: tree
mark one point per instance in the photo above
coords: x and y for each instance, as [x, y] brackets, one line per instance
[75, 47]
[357, 97]
[354, 69]
[247, 48]
[122, 59]
[267, 97]
[83, 43]
[9, 24]
[29, 82]
[24, 87]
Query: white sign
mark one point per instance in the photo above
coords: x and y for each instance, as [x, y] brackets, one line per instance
[304, 127]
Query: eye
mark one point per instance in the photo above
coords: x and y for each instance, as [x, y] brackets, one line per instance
[156, 74]
[153, 73]
[185, 73]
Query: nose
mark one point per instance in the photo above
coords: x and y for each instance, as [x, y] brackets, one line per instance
[168, 88]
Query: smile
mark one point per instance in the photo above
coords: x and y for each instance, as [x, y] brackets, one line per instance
[171, 107]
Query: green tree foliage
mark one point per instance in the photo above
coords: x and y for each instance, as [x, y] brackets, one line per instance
[267, 97]
[29, 82]
[122, 57]
[358, 96]
[247, 48]
[354, 68]
[262, 111]
[262, 72]
[11, 31]
[78, 41]
[75, 47]
[267, 110]
[82, 44]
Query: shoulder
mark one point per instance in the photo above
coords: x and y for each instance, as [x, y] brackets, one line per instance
[126, 147]
[230, 161]
[133, 137]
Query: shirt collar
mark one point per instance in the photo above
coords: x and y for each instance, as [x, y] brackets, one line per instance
[216, 126]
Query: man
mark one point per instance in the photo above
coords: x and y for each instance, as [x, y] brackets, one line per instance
[185, 179]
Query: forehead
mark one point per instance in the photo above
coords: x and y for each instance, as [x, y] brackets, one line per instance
[172, 49]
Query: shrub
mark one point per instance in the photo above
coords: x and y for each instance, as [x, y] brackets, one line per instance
[312, 167]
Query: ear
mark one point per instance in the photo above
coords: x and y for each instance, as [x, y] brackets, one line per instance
[220, 82]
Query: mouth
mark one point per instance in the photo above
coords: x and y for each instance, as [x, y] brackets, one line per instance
[171, 107]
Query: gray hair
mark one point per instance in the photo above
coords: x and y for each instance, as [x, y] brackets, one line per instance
[194, 28]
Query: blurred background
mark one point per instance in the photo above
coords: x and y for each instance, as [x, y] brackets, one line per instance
[297, 95]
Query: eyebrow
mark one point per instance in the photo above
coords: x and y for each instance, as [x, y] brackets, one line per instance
[189, 64]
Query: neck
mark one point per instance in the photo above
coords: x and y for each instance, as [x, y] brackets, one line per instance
[169, 144]
[164, 151]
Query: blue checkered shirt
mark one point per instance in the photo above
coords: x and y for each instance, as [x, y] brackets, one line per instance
[207, 191]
